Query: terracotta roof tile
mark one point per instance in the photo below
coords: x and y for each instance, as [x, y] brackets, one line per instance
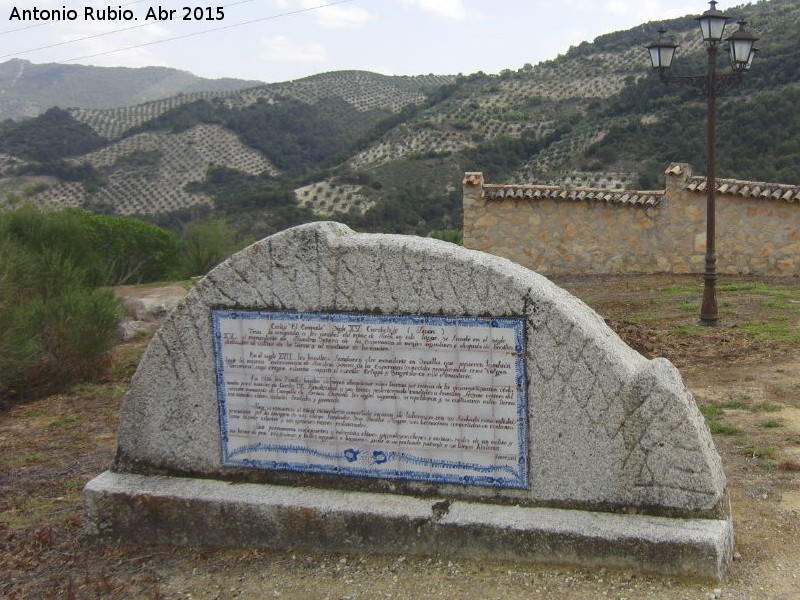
[539, 192]
[732, 187]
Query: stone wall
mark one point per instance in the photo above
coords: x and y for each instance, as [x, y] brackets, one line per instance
[574, 230]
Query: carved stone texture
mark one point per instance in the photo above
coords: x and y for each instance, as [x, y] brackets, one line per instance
[608, 429]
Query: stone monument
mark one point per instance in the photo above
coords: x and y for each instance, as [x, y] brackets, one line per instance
[344, 392]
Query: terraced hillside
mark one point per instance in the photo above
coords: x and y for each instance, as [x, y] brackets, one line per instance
[528, 103]
[328, 198]
[554, 165]
[362, 90]
[387, 153]
[584, 115]
[112, 123]
[148, 173]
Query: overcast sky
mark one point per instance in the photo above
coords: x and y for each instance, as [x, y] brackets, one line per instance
[278, 40]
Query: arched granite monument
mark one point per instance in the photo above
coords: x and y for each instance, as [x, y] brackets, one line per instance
[398, 394]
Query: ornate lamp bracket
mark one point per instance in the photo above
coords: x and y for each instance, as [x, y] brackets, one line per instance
[700, 84]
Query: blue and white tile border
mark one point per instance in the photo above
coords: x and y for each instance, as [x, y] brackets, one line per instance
[370, 465]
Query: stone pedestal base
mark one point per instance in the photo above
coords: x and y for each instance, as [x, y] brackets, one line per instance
[201, 512]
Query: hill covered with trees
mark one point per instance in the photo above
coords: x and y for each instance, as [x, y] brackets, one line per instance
[387, 153]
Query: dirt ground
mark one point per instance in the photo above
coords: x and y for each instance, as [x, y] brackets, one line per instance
[745, 375]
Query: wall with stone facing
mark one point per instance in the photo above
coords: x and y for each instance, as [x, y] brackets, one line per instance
[574, 230]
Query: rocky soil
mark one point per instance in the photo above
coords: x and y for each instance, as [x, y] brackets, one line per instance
[745, 375]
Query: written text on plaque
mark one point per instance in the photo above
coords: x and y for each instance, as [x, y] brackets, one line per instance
[438, 399]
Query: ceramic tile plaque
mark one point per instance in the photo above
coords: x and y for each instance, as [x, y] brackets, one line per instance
[439, 399]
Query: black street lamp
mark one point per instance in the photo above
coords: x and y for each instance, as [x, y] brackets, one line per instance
[742, 51]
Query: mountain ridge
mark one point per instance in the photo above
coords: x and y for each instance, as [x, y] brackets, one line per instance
[28, 89]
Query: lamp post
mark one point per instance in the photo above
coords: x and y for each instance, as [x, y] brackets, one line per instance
[711, 85]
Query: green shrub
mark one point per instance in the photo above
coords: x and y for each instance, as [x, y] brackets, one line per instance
[54, 329]
[48, 343]
[206, 244]
[108, 250]
[132, 251]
